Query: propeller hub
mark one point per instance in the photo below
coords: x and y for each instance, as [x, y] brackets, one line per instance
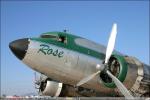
[113, 66]
[100, 67]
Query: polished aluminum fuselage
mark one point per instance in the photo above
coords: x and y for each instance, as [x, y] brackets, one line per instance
[69, 69]
[74, 66]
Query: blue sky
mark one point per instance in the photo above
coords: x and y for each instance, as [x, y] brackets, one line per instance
[90, 19]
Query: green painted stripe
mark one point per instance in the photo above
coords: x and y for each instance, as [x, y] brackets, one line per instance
[70, 45]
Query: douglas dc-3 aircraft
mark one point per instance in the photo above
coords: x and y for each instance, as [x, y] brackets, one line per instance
[74, 66]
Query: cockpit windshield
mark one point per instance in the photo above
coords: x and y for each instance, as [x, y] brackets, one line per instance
[48, 36]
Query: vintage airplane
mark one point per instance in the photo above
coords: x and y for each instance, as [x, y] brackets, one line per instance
[74, 66]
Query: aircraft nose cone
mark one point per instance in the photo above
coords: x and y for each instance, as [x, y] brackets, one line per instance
[19, 47]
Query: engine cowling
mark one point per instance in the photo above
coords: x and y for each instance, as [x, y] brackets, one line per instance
[134, 74]
[118, 67]
[50, 88]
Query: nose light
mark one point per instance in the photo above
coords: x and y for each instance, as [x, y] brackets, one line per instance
[19, 47]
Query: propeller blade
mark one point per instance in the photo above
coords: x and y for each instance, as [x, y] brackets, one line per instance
[86, 79]
[120, 86]
[111, 43]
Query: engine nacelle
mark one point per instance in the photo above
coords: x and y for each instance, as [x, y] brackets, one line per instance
[50, 88]
[134, 75]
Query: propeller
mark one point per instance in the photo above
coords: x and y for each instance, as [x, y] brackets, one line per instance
[111, 43]
[36, 81]
[109, 50]
[86, 79]
[120, 86]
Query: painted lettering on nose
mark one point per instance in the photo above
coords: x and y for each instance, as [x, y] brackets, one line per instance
[46, 50]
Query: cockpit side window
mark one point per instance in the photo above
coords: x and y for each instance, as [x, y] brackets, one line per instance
[62, 39]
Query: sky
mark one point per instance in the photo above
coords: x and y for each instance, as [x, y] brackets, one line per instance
[89, 19]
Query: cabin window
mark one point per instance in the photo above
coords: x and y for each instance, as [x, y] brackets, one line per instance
[90, 45]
